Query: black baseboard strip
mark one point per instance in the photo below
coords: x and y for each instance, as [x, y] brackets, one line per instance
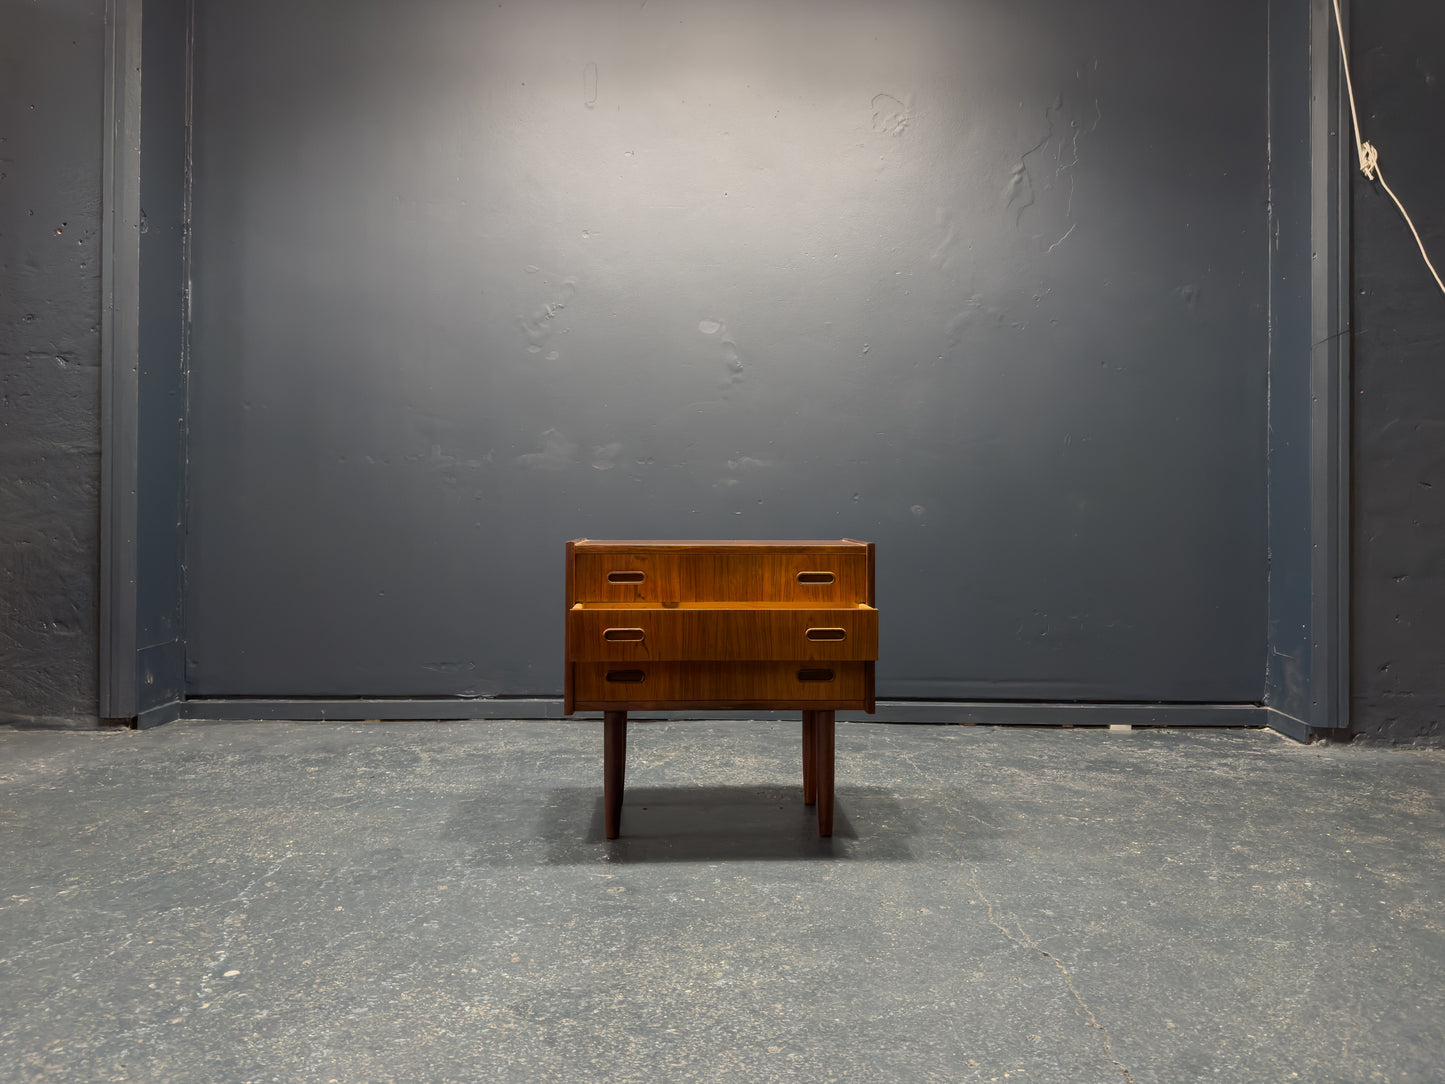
[1291, 727]
[381, 710]
[162, 714]
[980, 713]
[1021, 713]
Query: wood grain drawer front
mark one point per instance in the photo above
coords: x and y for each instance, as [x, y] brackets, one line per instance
[600, 683]
[634, 635]
[824, 579]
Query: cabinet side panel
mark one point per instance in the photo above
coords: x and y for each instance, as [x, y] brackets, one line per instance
[569, 596]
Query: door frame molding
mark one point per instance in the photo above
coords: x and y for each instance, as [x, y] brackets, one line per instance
[120, 359]
[1331, 338]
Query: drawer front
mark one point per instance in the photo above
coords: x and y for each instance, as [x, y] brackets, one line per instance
[776, 684]
[723, 635]
[824, 579]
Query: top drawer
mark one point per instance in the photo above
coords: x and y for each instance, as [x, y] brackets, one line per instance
[819, 578]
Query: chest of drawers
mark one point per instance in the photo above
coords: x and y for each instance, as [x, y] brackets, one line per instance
[721, 625]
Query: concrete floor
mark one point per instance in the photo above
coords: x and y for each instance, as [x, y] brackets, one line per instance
[435, 902]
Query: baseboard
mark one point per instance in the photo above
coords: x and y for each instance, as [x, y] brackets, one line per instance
[1290, 727]
[160, 677]
[161, 714]
[383, 710]
[974, 713]
[1027, 713]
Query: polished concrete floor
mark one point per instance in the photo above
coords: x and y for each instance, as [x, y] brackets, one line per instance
[435, 902]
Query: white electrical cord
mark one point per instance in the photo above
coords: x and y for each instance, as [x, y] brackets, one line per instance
[1369, 157]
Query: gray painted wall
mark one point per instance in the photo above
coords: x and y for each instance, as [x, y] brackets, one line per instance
[51, 85]
[1399, 365]
[982, 282]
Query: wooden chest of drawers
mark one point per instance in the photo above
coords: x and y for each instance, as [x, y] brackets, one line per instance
[729, 625]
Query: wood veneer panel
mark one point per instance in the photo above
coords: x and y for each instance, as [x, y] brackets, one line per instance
[568, 699]
[721, 576]
[773, 685]
[640, 635]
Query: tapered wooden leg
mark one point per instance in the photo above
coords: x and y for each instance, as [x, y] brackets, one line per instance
[614, 768]
[810, 758]
[823, 735]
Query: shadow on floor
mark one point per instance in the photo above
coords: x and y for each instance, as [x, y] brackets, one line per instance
[687, 824]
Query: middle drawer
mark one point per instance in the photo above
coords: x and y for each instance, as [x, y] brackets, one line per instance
[635, 634]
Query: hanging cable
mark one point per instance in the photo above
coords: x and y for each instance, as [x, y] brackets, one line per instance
[1369, 157]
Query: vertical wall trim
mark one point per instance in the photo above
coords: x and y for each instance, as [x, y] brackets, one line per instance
[120, 358]
[1288, 430]
[1330, 340]
[1307, 661]
[188, 293]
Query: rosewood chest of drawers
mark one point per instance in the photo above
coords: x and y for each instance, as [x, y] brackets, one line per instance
[721, 625]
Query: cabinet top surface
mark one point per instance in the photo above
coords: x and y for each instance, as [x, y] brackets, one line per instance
[712, 545]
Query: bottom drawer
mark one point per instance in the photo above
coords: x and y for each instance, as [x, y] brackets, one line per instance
[599, 685]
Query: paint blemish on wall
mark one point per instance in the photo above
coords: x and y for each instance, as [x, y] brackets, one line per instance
[943, 256]
[1188, 295]
[1065, 237]
[747, 462]
[1066, 125]
[604, 456]
[1019, 191]
[539, 325]
[961, 320]
[458, 667]
[589, 85]
[890, 115]
[733, 359]
[447, 465]
[556, 452]
[729, 350]
[743, 464]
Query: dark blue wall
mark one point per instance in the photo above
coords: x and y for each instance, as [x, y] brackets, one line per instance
[982, 282]
[1398, 677]
[52, 66]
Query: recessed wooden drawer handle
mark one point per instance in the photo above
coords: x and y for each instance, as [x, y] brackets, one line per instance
[815, 577]
[815, 675]
[827, 634]
[626, 677]
[626, 577]
[623, 634]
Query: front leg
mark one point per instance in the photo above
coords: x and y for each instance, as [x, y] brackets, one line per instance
[823, 727]
[810, 758]
[614, 768]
